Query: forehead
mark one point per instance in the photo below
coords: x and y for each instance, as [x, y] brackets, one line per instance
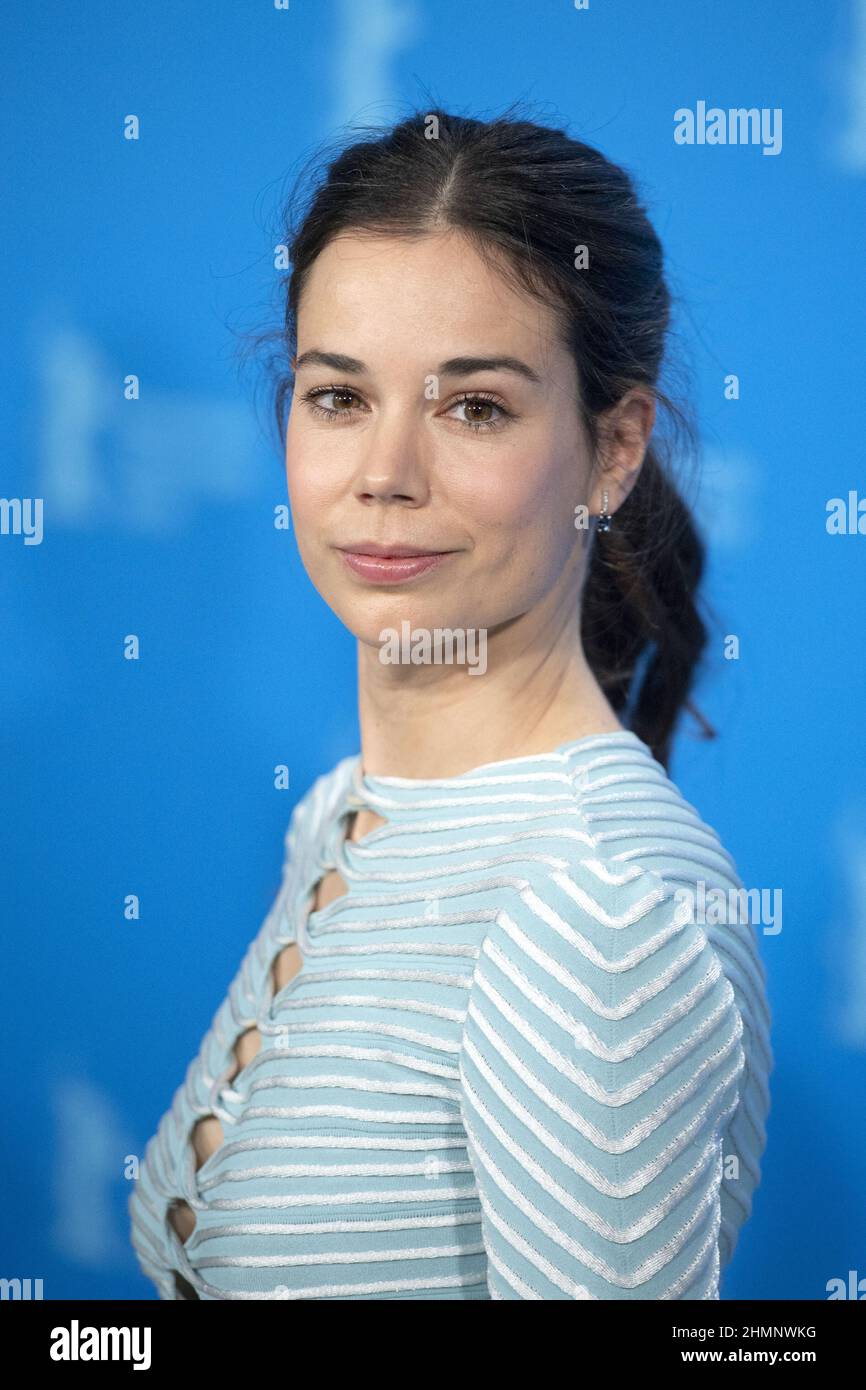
[435, 294]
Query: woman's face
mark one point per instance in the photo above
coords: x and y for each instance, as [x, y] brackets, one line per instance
[389, 447]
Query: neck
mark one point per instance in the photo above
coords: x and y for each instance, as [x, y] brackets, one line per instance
[536, 692]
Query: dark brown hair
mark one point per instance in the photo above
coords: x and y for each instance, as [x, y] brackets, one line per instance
[528, 195]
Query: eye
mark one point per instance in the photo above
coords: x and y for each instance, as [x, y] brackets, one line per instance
[479, 407]
[345, 402]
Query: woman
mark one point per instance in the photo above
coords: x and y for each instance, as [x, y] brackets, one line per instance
[484, 1046]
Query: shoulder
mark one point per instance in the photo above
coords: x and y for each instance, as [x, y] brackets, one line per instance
[632, 812]
[318, 804]
[607, 958]
[627, 844]
[604, 919]
[617, 915]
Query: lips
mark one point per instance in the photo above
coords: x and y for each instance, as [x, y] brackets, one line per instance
[388, 550]
[390, 563]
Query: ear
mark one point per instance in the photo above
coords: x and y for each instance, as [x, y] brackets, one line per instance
[624, 435]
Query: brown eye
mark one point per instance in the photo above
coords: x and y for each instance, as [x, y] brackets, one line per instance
[479, 413]
[329, 402]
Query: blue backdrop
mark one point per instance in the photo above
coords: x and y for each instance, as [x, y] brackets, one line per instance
[156, 776]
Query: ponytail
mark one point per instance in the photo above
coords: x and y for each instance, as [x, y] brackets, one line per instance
[641, 629]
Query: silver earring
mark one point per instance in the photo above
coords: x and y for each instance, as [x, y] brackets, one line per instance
[603, 522]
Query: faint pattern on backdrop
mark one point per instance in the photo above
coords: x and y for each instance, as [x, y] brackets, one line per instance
[101, 463]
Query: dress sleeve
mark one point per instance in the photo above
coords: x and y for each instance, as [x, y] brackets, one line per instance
[602, 1060]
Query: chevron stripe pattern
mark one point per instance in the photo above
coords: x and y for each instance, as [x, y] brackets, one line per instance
[514, 1065]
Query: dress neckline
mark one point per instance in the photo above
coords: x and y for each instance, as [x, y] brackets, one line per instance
[525, 762]
[400, 798]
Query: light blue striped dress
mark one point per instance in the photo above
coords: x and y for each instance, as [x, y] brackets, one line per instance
[515, 1064]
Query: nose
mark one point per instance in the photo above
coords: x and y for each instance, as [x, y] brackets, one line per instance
[392, 468]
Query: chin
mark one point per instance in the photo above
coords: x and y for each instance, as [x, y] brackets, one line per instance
[369, 618]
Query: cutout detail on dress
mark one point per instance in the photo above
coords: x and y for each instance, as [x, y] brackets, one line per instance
[207, 1133]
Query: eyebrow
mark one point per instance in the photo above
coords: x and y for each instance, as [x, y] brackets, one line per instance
[453, 366]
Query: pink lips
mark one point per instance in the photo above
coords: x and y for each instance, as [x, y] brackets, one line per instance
[390, 564]
[390, 569]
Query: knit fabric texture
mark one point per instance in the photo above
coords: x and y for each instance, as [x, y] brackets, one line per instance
[522, 1058]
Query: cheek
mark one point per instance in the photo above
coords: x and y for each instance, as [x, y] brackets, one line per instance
[310, 476]
[309, 492]
[525, 501]
[523, 519]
